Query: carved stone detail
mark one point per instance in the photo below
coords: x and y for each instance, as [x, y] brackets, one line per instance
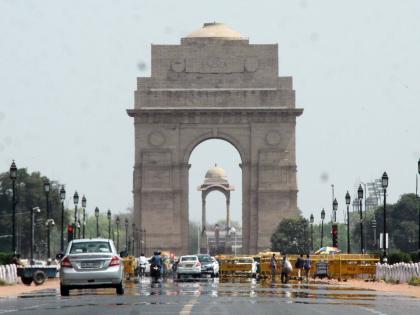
[273, 138]
[251, 64]
[156, 138]
[178, 65]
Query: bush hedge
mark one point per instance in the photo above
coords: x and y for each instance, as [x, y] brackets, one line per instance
[397, 257]
[5, 258]
[415, 256]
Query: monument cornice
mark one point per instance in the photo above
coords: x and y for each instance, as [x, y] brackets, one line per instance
[214, 115]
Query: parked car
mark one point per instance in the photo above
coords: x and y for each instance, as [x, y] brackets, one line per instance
[209, 265]
[91, 263]
[188, 266]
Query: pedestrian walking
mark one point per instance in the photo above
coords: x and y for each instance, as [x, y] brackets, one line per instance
[286, 270]
[300, 261]
[307, 267]
[273, 265]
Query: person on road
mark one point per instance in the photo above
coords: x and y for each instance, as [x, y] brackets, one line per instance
[156, 267]
[286, 269]
[299, 265]
[157, 259]
[142, 265]
[307, 267]
[273, 265]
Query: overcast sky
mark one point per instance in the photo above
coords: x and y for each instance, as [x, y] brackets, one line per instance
[68, 72]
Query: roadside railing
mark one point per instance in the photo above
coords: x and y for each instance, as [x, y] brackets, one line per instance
[399, 272]
[8, 273]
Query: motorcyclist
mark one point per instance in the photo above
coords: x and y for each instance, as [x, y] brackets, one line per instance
[157, 259]
[156, 265]
[142, 264]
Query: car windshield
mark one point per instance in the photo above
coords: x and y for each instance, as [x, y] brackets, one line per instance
[90, 247]
[189, 258]
[204, 259]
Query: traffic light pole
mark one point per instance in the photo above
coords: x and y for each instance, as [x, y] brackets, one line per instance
[335, 235]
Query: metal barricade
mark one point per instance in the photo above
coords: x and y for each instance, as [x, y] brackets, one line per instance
[130, 265]
[239, 266]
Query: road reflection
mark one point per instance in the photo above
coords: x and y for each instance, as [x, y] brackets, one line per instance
[243, 287]
[236, 287]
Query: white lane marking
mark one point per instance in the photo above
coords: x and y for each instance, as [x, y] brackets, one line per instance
[186, 310]
[373, 311]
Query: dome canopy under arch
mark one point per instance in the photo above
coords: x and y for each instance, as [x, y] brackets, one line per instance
[216, 177]
[216, 172]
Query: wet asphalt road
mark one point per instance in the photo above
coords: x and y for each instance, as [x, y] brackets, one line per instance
[213, 297]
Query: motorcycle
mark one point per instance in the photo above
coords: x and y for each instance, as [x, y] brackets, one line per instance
[155, 272]
[142, 270]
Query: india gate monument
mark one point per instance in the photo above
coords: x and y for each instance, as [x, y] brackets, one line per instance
[213, 85]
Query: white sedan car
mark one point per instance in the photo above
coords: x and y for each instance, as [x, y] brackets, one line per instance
[188, 266]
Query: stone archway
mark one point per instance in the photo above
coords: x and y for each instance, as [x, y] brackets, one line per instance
[213, 85]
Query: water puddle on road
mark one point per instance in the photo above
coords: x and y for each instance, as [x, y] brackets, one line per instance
[227, 288]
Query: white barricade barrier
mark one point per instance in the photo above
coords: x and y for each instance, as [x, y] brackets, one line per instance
[8, 274]
[2, 273]
[399, 272]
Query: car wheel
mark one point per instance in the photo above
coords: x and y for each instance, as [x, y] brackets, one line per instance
[26, 280]
[39, 277]
[64, 290]
[120, 289]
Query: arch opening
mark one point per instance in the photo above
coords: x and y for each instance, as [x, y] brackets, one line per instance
[215, 197]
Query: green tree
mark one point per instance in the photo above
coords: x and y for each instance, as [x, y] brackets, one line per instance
[402, 226]
[291, 236]
[29, 194]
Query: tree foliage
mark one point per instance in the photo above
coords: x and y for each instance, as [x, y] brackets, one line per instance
[29, 194]
[402, 227]
[291, 236]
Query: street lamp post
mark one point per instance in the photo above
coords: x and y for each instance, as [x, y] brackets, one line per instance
[108, 215]
[373, 223]
[322, 226]
[384, 186]
[311, 220]
[47, 192]
[216, 236]
[62, 198]
[75, 201]
[126, 235]
[418, 202]
[334, 225]
[34, 210]
[133, 226]
[13, 176]
[97, 221]
[233, 231]
[360, 196]
[117, 222]
[348, 222]
[143, 241]
[84, 215]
